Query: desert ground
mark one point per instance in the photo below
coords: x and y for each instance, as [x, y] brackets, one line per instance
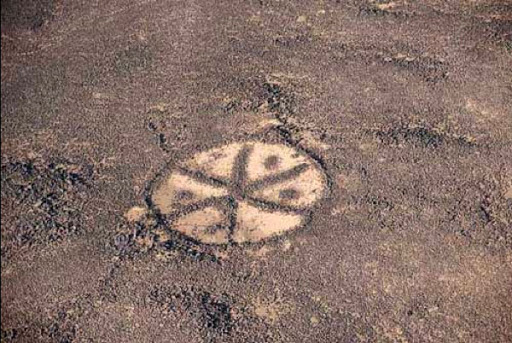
[256, 171]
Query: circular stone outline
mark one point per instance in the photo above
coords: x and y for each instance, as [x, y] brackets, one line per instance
[165, 220]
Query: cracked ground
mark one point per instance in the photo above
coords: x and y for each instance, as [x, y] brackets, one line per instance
[406, 107]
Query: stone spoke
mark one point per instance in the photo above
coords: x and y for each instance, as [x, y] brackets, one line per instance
[232, 207]
[202, 177]
[278, 178]
[239, 174]
[274, 206]
[199, 205]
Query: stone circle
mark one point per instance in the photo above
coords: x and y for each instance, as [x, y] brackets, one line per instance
[240, 192]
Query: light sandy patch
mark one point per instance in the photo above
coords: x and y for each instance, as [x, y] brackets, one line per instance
[260, 253]
[135, 213]
[145, 242]
[286, 245]
[483, 111]
[268, 123]
[271, 159]
[184, 190]
[208, 225]
[159, 107]
[508, 193]
[369, 148]
[302, 19]
[301, 191]
[163, 235]
[255, 224]
[217, 162]
[255, 19]
[221, 255]
[270, 311]
[385, 6]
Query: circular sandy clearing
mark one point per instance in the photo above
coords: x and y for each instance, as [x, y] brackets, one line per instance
[240, 192]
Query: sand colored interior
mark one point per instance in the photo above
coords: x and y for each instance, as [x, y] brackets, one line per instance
[208, 225]
[287, 157]
[216, 162]
[180, 189]
[299, 192]
[255, 224]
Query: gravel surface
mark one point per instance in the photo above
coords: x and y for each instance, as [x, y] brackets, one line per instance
[377, 133]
